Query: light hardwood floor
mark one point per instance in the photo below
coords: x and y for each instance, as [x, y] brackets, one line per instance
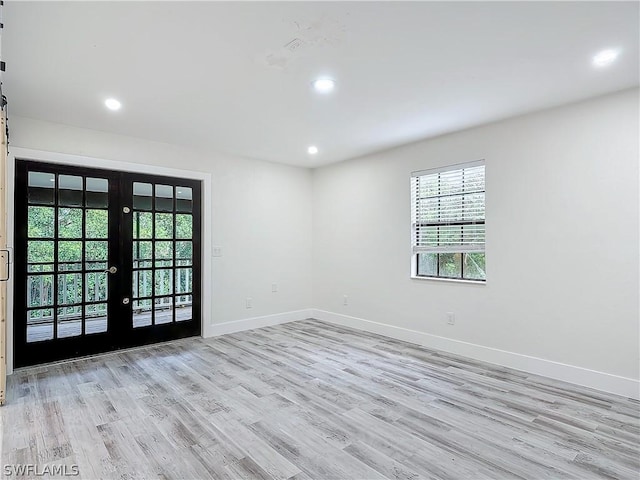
[312, 400]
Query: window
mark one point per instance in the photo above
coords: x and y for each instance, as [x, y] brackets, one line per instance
[448, 222]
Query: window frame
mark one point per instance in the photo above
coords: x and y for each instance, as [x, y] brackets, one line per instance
[463, 252]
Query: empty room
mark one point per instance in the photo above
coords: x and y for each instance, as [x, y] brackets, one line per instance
[320, 240]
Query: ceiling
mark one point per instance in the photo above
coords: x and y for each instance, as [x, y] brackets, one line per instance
[219, 76]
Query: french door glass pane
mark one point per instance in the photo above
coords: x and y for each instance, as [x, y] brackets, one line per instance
[163, 310]
[69, 288]
[70, 191]
[97, 193]
[142, 254]
[142, 313]
[184, 199]
[95, 318]
[40, 325]
[41, 188]
[164, 198]
[184, 253]
[164, 254]
[40, 222]
[39, 291]
[69, 222]
[40, 252]
[184, 226]
[70, 321]
[97, 223]
[184, 309]
[142, 250]
[96, 287]
[184, 280]
[142, 225]
[69, 251]
[96, 251]
[142, 196]
[163, 282]
[164, 225]
[142, 283]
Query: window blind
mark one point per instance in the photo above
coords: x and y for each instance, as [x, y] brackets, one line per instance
[448, 209]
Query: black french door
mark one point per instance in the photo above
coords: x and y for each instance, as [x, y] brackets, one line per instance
[103, 260]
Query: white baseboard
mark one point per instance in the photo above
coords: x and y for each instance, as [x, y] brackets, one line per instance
[626, 387]
[217, 329]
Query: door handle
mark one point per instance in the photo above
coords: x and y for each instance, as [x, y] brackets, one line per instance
[8, 252]
[113, 269]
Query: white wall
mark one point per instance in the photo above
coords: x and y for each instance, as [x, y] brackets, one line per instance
[562, 240]
[260, 212]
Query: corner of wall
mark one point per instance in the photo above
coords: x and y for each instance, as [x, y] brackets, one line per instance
[626, 387]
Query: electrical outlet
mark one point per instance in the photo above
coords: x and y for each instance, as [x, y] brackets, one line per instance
[249, 302]
[451, 318]
[274, 287]
[345, 300]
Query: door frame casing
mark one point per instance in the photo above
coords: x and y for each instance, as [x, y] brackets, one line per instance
[84, 161]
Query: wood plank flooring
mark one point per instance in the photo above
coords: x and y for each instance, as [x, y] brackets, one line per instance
[311, 400]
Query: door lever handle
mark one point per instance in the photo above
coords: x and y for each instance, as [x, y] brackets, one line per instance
[113, 269]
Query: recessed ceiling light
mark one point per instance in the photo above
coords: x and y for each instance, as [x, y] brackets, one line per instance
[312, 150]
[605, 57]
[112, 104]
[324, 85]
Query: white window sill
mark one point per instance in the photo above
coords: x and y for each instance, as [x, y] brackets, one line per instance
[449, 280]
